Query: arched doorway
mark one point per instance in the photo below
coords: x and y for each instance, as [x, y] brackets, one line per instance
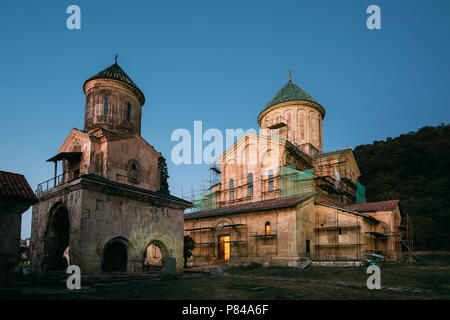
[155, 256]
[57, 239]
[115, 256]
[225, 234]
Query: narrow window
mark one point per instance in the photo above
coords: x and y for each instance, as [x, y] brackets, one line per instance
[270, 181]
[88, 111]
[133, 171]
[267, 228]
[302, 124]
[105, 106]
[312, 135]
[250, 185]
[231, 189]
[128, 112]
[319, 130]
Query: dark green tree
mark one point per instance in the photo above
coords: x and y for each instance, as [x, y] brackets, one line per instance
[164, 184]
[414, 168]
[189, 245]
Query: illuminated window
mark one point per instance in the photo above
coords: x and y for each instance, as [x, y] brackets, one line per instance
[250, 185]
[128, 111]
[270, 181]
[267, 229]
[105, 106]
[231, 189]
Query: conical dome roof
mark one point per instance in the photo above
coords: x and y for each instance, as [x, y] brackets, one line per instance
[290, 92]
[115, 72]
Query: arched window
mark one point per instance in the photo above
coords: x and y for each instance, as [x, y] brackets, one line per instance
[128, 112]
[231, 189]
[319, 130]
[270, 181]
[302, 124]
[313, 123]
[88, 110]
[133, 171]
[250, 185]
[267, 228]
[105, 106]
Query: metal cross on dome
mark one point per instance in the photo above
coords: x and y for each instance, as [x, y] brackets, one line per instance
[290, 74]
[115, 57]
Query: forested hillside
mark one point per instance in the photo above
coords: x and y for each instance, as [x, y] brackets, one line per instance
[414, 168]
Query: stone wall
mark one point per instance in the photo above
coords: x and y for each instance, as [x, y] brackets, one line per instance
[9, 247]
[100, 213]
[290, 228]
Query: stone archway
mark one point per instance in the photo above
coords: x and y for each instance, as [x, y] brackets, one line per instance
[57, 238]
[155, 255]
[115, 256]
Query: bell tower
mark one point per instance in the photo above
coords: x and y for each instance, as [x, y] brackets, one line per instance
[113, 102]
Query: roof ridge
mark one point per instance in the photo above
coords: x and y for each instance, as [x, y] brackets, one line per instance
[251, 206]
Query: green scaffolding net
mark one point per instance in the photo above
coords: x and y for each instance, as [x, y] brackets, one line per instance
[294, 182]
[360, 193]
[205, 200]
[291, 183]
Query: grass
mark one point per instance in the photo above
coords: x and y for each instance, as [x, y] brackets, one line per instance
[429, 278]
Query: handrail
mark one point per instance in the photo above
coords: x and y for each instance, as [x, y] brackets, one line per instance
[51, 183]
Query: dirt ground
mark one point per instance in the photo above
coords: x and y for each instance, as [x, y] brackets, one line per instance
[427, 278]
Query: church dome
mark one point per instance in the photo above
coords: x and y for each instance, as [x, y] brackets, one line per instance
[115, 72]
[292, 92]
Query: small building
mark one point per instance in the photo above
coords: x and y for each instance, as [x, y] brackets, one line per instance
[276, 198]
[16, 196]
[109, 203]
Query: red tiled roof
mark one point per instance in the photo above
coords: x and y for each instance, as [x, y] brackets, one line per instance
[249, 207]
[14, 185]
[374, 206]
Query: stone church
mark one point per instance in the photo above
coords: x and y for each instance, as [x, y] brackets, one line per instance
[108, 209]
[276, 198]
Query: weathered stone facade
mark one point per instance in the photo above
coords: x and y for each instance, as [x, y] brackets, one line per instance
[106, 206]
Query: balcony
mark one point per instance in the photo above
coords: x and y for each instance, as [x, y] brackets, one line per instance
[57, 181]
[69, 160]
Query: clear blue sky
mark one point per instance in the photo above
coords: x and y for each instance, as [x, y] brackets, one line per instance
[219, 62]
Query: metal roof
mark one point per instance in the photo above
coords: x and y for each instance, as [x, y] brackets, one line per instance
[115, 72]
[249, 207]
[374, 206]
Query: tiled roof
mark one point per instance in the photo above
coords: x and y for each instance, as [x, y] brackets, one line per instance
[15, 186]
[346, 209]
[114, 72]
[331, 153]
[290, 92]
[374, 206]
[249, 207]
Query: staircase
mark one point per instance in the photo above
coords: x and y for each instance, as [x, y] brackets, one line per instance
[303, 263]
